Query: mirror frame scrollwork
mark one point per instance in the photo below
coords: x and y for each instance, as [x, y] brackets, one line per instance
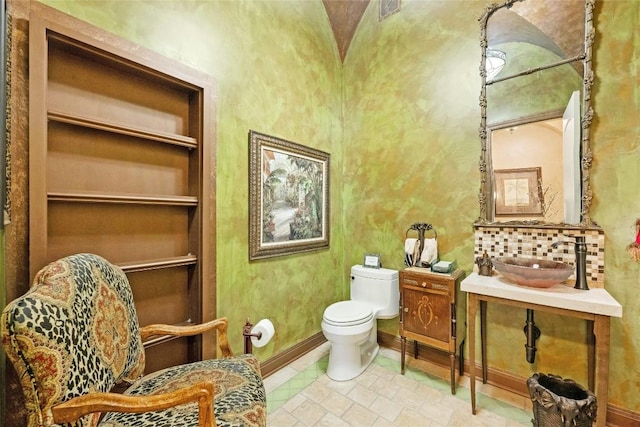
[484, 196]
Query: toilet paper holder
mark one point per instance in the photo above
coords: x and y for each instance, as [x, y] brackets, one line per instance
[250, 336]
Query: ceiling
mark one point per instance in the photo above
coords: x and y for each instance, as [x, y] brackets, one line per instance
[555, 25]
[344, 16]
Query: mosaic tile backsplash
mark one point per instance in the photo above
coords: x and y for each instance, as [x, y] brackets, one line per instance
[525, 242]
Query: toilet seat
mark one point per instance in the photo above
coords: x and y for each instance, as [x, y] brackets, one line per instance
[348, 313]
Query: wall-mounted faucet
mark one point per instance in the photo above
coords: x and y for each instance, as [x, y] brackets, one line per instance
[580, 247]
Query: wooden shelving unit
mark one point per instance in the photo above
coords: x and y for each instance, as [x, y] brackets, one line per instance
[121, 162]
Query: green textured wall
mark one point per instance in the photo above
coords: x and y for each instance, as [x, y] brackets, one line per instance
[412, 149]
[408, 152]
[616, 181]
[412, 116]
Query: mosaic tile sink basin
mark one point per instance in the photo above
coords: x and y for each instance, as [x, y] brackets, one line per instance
[537, 273]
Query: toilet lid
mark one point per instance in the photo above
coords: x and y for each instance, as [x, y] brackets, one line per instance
[348, 313]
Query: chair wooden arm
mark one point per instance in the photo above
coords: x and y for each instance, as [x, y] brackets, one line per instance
[184, 331]
[202, 393]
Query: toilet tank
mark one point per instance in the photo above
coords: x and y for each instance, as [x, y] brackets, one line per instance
[377, 287]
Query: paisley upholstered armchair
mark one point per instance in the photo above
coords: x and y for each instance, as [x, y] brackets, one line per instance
[75, 335]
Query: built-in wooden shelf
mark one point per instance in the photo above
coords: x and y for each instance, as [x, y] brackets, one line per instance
[174, 139]
[121, 151]
[138, 199]
[136, 266]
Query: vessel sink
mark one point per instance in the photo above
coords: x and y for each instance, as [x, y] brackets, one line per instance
[537, 273]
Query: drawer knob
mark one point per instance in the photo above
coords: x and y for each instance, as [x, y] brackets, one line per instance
[424, 284]
[406, 309]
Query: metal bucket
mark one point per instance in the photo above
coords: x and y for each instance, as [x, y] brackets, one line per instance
[561, 402]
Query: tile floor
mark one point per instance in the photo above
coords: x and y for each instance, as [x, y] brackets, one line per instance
[301, 394]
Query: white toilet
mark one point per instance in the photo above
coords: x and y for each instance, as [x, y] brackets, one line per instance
[351, 327]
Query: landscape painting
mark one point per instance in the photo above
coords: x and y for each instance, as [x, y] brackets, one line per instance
[289, 197]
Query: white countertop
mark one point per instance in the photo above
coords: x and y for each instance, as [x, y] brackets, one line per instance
[595, 300]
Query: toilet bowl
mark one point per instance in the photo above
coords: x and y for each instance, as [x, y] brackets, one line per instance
[351, 326]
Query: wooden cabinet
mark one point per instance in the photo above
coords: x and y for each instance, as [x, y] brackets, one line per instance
[121, 146]
[428, 312]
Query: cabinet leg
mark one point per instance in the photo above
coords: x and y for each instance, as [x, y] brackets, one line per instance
[452, 356]
[403, 351]
[415, 349]
[461, 360]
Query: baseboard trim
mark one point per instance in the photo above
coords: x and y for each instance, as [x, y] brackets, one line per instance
[281, 360]
[618, 416]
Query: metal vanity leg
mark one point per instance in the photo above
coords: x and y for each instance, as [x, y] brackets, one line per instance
[473, 309]
[591, 355]
[483, 339]
[602, 331]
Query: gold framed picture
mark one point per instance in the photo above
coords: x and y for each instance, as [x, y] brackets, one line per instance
[288, 197]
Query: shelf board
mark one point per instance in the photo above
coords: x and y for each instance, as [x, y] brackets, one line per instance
[169, 138]
[157, 264]
[121, 198]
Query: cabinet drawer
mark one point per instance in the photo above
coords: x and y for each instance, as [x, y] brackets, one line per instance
[427, 314]
[426, 282]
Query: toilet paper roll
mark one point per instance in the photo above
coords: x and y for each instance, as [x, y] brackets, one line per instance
[266, 329]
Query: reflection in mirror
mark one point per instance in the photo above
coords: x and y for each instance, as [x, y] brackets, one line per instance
[538, 33]
[549, 143]
[517, 150]
[546, 45]
[530, 95]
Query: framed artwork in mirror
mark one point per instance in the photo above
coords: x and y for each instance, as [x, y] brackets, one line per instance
[519, 192]
[288, 197]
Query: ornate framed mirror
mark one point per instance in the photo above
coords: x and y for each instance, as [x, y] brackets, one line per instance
[536, 73]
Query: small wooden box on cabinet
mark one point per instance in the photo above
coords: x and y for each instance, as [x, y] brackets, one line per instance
[428, 312]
